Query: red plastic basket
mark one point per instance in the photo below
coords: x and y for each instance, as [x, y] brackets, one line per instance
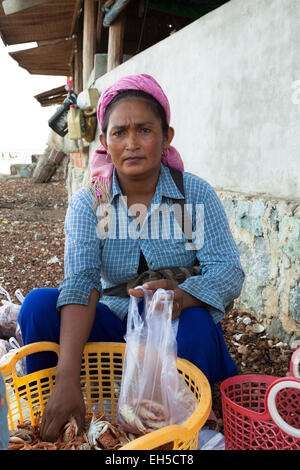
[261, 411]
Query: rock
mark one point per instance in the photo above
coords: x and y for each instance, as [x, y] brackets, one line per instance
[256, 262]
[54, 259]
[242, 349]
[247, 320]
[257, 328]
[249, 216]
[289, 237]
[295, 345]
[238, 337]
[295, 303]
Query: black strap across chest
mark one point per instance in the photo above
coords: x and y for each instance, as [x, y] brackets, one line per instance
[179, 274]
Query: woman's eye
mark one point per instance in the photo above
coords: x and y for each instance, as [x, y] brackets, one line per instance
[117, 133]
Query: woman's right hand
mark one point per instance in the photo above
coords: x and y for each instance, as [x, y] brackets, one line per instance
[65, 401]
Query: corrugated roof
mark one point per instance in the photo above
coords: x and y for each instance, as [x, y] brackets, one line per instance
[51, 20]
[49, 59]
[53, 96]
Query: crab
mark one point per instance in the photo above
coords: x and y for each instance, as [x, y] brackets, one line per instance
[131, 421]
[142, 417]
[102, 434]
[70, 430]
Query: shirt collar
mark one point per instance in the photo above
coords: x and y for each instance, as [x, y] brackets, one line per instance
[166, 187]
[115, 188]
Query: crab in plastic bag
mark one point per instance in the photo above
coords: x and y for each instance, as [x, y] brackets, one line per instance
[153, 394]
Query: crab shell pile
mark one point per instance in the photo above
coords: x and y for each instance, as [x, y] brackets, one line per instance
[99, 434]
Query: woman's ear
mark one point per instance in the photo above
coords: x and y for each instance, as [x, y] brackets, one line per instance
[103, 141]
[168, 137]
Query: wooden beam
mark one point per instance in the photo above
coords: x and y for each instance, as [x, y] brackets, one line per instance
[76, 16]
[99, 25]
[115, 42]
[89, 38]
[78, 60]
[14, 6]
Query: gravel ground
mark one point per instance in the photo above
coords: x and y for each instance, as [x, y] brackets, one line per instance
[31, 256]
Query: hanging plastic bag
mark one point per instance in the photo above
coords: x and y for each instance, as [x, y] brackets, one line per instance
[4, 347]
[9, 314]
[11, 345]
[153, 394]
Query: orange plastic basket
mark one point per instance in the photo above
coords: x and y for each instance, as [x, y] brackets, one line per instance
[101, 375]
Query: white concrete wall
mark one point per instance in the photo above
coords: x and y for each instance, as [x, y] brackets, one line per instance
[229, 78]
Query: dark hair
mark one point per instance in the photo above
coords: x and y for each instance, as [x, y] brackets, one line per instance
[155, 106]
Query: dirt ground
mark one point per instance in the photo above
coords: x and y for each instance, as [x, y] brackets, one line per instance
[32, 256]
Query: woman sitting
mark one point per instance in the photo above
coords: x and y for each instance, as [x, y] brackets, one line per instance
[135, 176]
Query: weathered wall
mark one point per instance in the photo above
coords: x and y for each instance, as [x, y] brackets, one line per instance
[229, 77]
[267, 232]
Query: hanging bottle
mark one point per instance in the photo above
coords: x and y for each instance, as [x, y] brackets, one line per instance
[76, 124]
[59, 121]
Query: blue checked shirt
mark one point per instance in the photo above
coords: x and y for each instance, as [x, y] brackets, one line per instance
[98, 259]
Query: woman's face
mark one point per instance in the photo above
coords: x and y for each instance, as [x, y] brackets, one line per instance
[134, 138]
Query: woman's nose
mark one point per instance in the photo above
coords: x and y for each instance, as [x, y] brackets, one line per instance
[132, 141]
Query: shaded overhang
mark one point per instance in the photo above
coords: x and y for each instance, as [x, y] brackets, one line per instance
[48, 59]
[53, 96]
[51, 25]
[47, 21]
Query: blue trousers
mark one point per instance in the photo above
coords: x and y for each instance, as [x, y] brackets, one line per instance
[199, 339]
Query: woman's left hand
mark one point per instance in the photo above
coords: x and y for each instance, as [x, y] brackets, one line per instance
[179, 294]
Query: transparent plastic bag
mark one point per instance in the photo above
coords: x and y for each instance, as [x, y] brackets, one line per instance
[4, 347]
[11, 345]
[9, 314]
[153, 394]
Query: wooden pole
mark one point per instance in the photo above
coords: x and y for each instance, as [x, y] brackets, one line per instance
[99, 25]
[47, 167]
[115, 42]
[78, 65]
[89, 38]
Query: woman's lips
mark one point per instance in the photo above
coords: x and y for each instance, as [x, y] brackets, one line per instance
[132, 159]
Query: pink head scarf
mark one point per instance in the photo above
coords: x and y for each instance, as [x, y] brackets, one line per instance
[101, 166]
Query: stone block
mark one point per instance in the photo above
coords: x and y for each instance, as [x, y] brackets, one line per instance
[289, 237]
[256, 264]
[295, 303]
[249, 216]
[22, 170]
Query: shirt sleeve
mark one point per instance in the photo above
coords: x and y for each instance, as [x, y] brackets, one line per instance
[82, 258]
[222, 275]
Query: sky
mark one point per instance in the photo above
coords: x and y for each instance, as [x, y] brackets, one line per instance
[23, 121]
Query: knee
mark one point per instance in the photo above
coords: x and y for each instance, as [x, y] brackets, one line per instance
[38, 318]
[35, 302]
[197, 321]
